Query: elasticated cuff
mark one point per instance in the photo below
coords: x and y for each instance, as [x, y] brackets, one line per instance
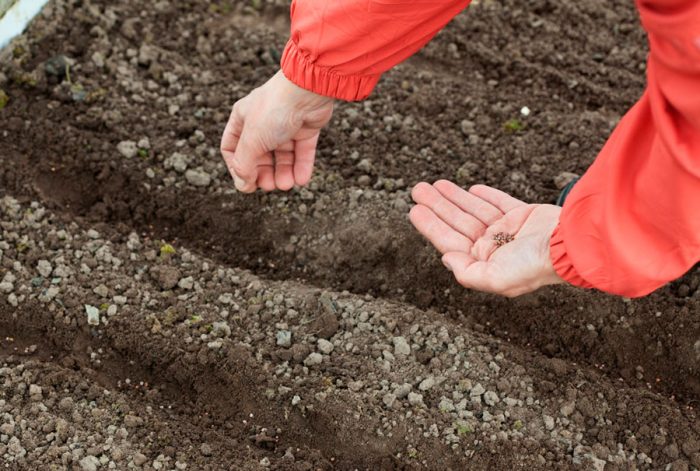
[562, 262]
[302, 71]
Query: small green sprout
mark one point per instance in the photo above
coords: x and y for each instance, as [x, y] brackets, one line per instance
[513, 125]
[463, 429]
[166, 249]
[143, 153]
[3, 99]
[518, 424]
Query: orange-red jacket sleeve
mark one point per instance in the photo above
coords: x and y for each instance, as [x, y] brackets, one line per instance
[340, 48]
[632, 223]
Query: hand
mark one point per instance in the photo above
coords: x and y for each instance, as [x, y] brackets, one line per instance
[270, 139]
[491, 241]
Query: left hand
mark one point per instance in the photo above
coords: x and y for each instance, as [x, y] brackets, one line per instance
[465, 226]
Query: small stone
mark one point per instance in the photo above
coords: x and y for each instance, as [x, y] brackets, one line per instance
[548, 422]
[215, 344]
[567, 409]
[313, 359]
[101, 290]
[127, 149]
[415, 399]
[265, 462]
[206, 449]
[139, 459]
[89, 463]
[35, 392]
[525, 111]
[402, 390]
[467, 127]
[284, 338]
[355, 386]
[401, 346]
[296, 400]
[477, 390]
[324, 346]
[427, 383]
[93, 315]
[167, 277]
[186, 283]
[44, 268]
[198, 178]
[491, 398]
[486, 416]
[389, 400]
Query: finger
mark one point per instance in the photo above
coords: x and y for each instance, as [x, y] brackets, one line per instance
[442, 236]
[284, 170]
[230, 138]
[266, 173]
[304, 156]
[462, 222]
[246, 158]
[499, 199]
[472, 204]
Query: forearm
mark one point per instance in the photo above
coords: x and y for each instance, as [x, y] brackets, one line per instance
[341, 48]
[631, 224]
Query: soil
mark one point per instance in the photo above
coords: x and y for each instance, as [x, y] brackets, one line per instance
[152, 317]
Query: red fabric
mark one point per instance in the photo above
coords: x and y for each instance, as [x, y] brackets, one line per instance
[632, 223]
[339, 48]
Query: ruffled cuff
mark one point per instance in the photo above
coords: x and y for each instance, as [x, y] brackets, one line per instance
[562, 262]
[299, 68]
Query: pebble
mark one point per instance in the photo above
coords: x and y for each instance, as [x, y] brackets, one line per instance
[415, 399]
[128, 149]
[313, 359]
[324, 346]
[186, 283]
[389, 400]
[284, 338]
[491, 398]
[101, 290]
[548, 422]
[567, 409]
[89, 463]
[44, 268]
[477, 390]
[403, 390]
[427, 383]
[401, 346]
[198, 178]
[139, 459]
[93, 315]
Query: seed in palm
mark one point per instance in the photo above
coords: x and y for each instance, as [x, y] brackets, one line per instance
[502, 238]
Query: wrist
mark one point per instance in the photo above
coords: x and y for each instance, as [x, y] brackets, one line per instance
[300, 98]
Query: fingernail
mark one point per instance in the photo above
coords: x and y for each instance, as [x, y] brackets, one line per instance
[239, 183]
[447, 265]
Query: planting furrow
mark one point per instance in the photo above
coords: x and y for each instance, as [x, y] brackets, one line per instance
[288, 374]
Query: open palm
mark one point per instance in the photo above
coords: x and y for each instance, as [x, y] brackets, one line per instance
[490, 241]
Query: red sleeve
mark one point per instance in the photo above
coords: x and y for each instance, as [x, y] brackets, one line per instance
[340, 48]
[632, 223]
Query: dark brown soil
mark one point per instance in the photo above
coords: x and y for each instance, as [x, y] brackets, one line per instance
[453, 112]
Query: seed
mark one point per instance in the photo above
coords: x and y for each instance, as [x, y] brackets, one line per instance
[502, 238]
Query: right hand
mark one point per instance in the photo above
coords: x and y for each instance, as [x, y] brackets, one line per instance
[271, 135]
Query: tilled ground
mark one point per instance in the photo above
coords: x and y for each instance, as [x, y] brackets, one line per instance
[152, 317]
